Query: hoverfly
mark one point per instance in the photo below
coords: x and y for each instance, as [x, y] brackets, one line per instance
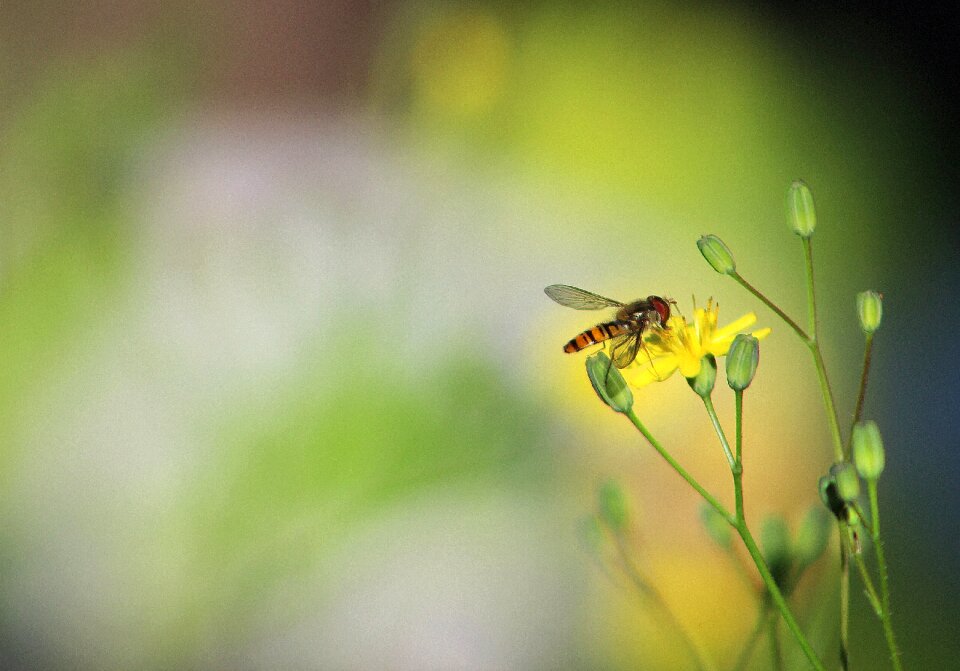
[625, 331]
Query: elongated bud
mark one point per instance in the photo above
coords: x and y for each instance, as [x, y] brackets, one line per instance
[848, 484]
[813, 536]
[831, 499]
[703, 383]
[800, 210]
[870, 310]
[775, 541]
[717, 527]
[613, 506]
[609, 383]
[717, 254]
[868, 451]
[742, 360]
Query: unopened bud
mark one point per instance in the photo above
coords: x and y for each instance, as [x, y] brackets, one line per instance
[702, 383]
[775, 541]
[609, 383]
[613, 506]
[800, 210]
[742, 359]
[831, 499]
[870, 310]
[848, 484]
[716, 525]
[813, 536]
[868, 451]
[717, 254]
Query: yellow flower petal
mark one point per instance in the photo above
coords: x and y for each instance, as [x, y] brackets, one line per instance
[681, 345]
[734, 327]
[656, 370]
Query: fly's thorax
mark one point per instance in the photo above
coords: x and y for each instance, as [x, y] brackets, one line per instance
[637, 311]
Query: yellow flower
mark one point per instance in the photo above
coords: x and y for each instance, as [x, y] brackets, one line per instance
[682, 346]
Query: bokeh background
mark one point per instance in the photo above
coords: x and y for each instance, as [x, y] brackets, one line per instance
[279, 387]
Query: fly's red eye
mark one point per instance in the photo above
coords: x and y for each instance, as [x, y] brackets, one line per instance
[662, 307]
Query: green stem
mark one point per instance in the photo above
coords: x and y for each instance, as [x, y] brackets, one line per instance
[770, 304]
[862, 390]
[738, 395]
[810, 340]
[869, 589]
[884, 583]
[828, 403]
[844, 601]
[711, 411]
[740, 524]
[709, 498]
[775, 593]
[811, 295]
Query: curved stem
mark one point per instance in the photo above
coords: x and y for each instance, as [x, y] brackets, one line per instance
[770, 304]
[740, 524]
[844, 601]
[811, 294]
[810, 340]
[776, 595]
[862, 390]
[869, 589]
[711, 411]
[828, 403]
[768, 580]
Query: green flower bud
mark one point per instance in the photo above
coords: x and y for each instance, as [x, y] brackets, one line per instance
[845, 477]
[868, 450]
[613, 506]
[870, 310]
[831, 499]
[742, 359]
[717, 254]
[775, 542]
[803, 216]
[716, 525]
[609, 383]
[813, 536]
[703, 383]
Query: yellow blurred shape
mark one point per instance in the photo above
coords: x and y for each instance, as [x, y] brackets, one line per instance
[459, 63]
[704, 592]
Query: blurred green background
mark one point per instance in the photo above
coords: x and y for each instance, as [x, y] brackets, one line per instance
[279, 387]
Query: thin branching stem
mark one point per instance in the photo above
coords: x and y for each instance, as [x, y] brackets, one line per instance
[711, 411]
[884, 586]
[862, 390]
[740, 524]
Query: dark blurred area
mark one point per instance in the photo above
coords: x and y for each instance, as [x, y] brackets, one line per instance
[279, 385]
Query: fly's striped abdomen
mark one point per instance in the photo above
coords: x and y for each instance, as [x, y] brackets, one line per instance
[597, 334]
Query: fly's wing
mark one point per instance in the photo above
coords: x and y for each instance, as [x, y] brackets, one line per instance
[625, 348]
[578, 299]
